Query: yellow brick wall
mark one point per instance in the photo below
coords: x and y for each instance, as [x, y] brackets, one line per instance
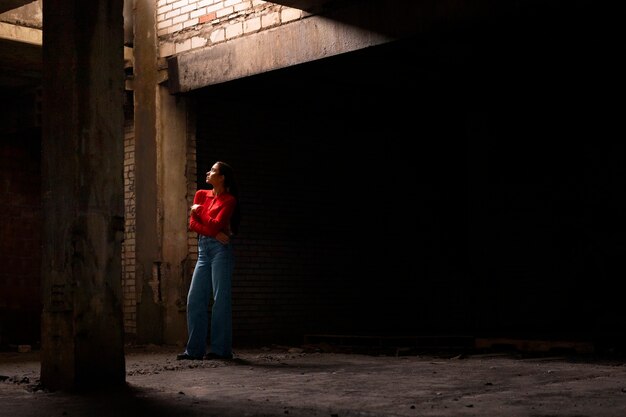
[128, 246]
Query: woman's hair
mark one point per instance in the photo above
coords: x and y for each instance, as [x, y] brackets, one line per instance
[231, 185]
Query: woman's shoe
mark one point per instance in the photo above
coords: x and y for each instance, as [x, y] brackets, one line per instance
[183, 356]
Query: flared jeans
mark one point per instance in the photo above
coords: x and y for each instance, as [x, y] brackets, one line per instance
[212, 277]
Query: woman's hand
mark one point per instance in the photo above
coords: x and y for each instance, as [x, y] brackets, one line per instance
[193, 208]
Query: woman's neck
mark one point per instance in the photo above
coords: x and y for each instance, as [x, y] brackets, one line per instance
[218, 190]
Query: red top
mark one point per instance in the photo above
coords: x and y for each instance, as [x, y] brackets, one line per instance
[214, 213]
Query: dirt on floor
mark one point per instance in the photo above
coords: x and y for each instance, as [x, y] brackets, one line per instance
[313, 381]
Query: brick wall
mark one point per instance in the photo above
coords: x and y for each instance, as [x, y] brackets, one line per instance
[183, 25]
[128, 246]
[316, 254]
[20, 237]
[192, 187]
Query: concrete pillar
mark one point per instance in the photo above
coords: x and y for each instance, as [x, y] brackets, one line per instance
[161, 191]
[148, 211]
[175, 198]
[129, 22]
[82, 162]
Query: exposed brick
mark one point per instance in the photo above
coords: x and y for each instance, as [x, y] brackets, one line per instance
[288, 14]
[175, 28]
[190, 23]
[183, 46]
[218, 35]
[271, 19]
[179, 4]
[188, 8]
[172, 14]
[166, 49]
[224, 12]
[164, 9]
[180, 19]
[199, 12]
[207, 17]
[234, 30]
[164, 24]
[252, 25]
[197, 42]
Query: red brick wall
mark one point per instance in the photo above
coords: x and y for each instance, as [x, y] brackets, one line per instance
[20, 238]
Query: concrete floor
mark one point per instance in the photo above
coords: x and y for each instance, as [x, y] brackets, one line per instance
[297, 381]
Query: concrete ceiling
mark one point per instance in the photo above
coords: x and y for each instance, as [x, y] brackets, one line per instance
[20, 51]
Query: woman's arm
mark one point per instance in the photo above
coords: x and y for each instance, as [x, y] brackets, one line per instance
[214, 218]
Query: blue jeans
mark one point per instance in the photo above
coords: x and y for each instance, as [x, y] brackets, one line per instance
[212, 276]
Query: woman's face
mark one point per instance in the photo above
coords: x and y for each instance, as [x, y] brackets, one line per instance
[214, 177]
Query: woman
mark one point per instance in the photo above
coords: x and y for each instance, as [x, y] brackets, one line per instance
[215, 217]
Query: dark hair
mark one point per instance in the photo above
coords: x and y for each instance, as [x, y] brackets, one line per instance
[231, 185]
